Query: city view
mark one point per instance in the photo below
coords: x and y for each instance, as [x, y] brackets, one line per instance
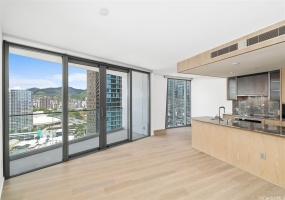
[35, 113]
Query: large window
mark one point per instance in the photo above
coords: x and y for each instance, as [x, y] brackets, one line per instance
[57, 107]
[178, 112]
[83, 107]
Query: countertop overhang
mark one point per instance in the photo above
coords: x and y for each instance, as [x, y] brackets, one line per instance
[244, 125]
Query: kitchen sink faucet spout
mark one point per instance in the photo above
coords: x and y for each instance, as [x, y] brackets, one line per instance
[221, 107]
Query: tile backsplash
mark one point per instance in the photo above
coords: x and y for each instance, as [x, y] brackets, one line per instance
[256, 105]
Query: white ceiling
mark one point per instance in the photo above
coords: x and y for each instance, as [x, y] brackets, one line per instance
[149, 34]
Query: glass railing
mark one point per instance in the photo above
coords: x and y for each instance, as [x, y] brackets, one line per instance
[31, 132]
[83, 123]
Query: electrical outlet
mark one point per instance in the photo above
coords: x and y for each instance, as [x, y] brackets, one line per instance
[262, 156]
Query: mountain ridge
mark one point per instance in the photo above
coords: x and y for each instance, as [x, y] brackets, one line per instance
[74, 93]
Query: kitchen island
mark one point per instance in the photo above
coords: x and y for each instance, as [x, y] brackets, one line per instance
[253, 147]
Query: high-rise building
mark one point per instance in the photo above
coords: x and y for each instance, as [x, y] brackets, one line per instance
[20, 110]
[114, 102]
[45, 102]
[92, 102]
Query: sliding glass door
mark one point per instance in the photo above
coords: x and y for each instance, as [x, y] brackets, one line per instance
[117, 126]
[83, 106]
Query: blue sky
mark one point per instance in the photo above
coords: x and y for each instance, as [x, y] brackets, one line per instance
[26, 72]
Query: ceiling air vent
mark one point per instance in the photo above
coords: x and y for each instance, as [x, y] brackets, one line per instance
[266, 36]
[224, 50]
[282, 30]
[252, 41]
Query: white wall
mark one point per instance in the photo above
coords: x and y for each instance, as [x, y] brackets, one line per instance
[208, 94]
[158, 99]
[1, 133]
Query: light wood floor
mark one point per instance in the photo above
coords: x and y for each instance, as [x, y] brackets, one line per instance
[158, 167]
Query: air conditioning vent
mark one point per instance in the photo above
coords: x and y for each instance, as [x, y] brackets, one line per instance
[224, 50]
[252, 41]
[233, 47]
[266, 36]
[214, 54]
[282, 30]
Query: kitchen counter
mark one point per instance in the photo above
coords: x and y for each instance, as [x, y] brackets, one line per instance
[277, 118]
[256, 116]
[253, 147]
[250, 126]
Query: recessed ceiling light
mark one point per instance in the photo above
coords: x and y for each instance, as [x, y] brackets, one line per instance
[231, 72]
[235, 63]
[103, 11]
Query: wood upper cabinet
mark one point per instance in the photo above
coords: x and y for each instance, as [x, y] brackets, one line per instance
[253, 85]
[232, 88]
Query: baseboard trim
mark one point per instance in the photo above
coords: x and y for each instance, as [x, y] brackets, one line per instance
[159, 132]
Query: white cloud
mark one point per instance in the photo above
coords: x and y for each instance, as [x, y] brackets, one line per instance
[78, 77]
[17, 88]
[29, 83]
[76, 80]
[57, 77]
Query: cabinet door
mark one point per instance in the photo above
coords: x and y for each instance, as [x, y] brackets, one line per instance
[232, 88]
[274, 85]
[259, 85]
[243, 85]
[255, 85]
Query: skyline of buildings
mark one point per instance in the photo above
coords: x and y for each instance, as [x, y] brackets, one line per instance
[23, 102]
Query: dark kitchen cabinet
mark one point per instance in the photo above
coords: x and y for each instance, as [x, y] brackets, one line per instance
[274, 85]
[232, 88]
[253, 85]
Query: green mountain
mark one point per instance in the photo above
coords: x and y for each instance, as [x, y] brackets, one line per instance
[74, 93]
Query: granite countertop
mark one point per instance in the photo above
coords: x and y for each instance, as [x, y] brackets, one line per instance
[269, 117]
[250, 126]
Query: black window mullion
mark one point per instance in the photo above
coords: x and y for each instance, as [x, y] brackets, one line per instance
[102, 128]
[5, 110]
[65, 108]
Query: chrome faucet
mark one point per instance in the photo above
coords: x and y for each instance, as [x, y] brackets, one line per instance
[222, 107]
